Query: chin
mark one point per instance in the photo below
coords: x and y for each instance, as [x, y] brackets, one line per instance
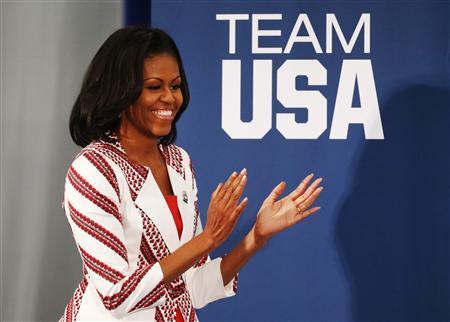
[160, 132]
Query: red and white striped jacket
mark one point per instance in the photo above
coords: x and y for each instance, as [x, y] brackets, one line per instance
[123, 227]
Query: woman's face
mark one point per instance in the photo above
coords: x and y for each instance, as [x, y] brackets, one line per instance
[160, 100]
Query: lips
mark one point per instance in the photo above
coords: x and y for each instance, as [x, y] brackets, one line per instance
[164, 114]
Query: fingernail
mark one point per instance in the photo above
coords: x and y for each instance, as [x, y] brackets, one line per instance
[320, 179]
[245, 199]
[320, 188]
[234, 173]
[244, 177]
[311, 174]
[243, 171]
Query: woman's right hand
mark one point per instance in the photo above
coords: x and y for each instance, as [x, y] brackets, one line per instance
[224, 210]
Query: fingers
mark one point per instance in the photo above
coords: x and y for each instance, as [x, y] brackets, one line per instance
[227, 183]
[229, 190]
[276, 192]
[301, 187]
[236, 191]
[240, 208]
[237, 183]
[299, 200]
[305, 214]
[310, 200]
[214, 194]
[223, 187]
[307, 197]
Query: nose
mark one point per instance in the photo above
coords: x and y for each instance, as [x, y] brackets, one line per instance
[167, 96]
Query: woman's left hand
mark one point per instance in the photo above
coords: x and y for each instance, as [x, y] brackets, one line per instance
[275, 216]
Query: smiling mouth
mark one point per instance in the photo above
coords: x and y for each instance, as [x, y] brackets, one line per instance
[164, 114]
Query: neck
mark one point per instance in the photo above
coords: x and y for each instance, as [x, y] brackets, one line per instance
[138, 146]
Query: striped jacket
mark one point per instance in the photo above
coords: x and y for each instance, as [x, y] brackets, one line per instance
[123, 227]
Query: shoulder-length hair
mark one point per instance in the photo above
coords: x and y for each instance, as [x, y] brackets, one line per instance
[114, 81]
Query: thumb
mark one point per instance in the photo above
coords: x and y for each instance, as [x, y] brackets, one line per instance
[276, 192]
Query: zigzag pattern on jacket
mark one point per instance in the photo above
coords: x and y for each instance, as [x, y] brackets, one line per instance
[152, 248]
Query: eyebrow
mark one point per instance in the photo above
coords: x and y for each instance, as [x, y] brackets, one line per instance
[161, 79]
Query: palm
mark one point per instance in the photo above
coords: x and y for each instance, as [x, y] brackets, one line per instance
[275, 216]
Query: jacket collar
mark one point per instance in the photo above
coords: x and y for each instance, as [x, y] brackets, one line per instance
[153, 203]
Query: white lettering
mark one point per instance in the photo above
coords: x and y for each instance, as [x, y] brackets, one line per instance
[332, 22]
[232, 18]
[256, 33]
[293, 38]
[313, 101]
[231, 100]
[360, 72]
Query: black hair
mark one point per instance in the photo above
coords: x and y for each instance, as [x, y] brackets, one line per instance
[114, 81]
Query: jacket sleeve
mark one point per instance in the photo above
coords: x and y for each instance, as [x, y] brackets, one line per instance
[92, 205]
[204, 280]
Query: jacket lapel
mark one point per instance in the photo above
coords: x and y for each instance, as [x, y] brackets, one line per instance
[151, 200]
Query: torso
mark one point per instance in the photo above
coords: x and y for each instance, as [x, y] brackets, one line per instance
[143, 223]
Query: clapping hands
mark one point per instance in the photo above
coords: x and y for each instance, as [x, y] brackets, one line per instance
[274, 215]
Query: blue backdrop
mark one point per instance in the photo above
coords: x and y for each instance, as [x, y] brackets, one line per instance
[379, 249]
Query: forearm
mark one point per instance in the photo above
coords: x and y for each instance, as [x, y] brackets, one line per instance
[185, 257]
[233, 262]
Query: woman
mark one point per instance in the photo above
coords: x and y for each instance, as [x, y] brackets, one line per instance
[131, 196]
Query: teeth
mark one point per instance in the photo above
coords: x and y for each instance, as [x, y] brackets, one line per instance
[163, 112]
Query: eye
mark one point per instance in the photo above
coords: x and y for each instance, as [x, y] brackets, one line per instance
[155, 87]
[176, 86]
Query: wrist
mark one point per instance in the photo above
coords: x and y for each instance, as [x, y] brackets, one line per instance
[206, 241]
[256, 240]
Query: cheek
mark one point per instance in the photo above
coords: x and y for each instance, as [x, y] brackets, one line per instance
[148, 100]
[179, 99]
[139, 114]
